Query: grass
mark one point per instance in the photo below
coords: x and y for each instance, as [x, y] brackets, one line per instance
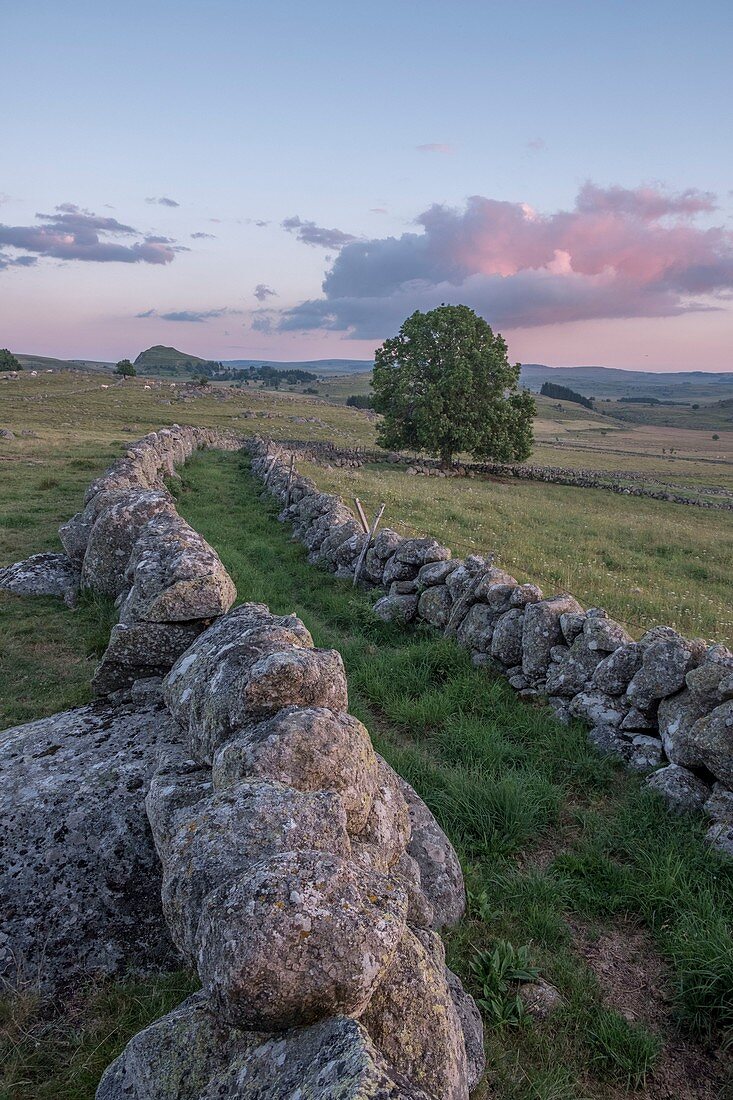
[547, 830]
[647, 562]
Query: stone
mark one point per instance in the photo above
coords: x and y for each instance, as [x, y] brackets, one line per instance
[571, 668]
[441, 877]
[719, 806]
[387, 832]
[598, 708]
[571, 625]
[720, 837]
[635, 720]
[666, 663]
[43, 575]
[302, 677]
[436, 572]
[434, 605]
[710, 683]
[472, 1027]
[542, 631]
[616, 671]
[683, 791]
[396, 570]
[525, 594]
[113, 537]
[506, 639]
[421, 551]
[675, 718]
[175, 575]
[302, 936]
[233, 829]
[396, 609]
[412, 1020]
[646, 753]
[331, 1060]
[140, 651]
[602, 633]
[608, 742]
[177, 786]
[476, 630]
[711, 738]
[175, 1057]
[386, 542]
[540, 999]
[80, 889]
[310, 749]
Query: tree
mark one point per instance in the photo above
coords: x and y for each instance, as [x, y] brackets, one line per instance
[8, 360]
[125, 368]
[444, 384]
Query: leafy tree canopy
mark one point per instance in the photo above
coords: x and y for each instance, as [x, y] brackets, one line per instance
[8, 360]
[444, 384]
[125, 368]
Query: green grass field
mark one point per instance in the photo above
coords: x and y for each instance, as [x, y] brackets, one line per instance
[565, 854]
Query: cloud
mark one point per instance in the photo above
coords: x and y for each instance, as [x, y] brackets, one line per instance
[310, 233]
[262, 292]
[378, 210]
[190, 316]
[163, 201]
[203, 237]
[618, 253]
[537, 145]
[436, 147]
[18, 261]
[71, 233]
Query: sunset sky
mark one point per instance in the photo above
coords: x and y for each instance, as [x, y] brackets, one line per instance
[289, 180]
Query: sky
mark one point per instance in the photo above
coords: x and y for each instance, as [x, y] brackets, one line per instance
[291, 179]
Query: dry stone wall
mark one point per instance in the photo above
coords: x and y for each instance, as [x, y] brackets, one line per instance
[298, 874]
[663, 704]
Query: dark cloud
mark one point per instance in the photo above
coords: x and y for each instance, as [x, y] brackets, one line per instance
[163, 201]
[190, 316]
[619, 253]
[203, 237]
[71, 233]
[310, 233]
[18, 261]
[262, 292]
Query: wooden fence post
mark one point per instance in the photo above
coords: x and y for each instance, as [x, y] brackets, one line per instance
[367, 544]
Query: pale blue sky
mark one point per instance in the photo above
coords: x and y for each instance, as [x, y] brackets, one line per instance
[245, 112]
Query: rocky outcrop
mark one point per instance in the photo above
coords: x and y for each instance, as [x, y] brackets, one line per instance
[43, 575]
[300, 877]
[80, 888]
[663, 696]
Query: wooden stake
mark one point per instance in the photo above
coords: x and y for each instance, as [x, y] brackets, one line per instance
[362, 515]
[290, 480]
[271, 467]
[367, 544]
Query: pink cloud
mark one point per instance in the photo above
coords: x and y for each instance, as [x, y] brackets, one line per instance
[436, 147]
[618, 253]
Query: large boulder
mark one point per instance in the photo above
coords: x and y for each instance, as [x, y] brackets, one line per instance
[232, 830]
[311, 749]
[711, 683]
[675, 718]
[43, 575]
[506, 639]
[113, 537]
[302, 936]
[441, 878]
[80, 889]
[332, 1060]
[175, 1057]
[682, 790]
[413, 1021]
[434, 605]
[139, 651]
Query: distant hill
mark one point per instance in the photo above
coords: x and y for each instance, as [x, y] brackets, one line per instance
[168, 360]
[46, 362]
[615, 382]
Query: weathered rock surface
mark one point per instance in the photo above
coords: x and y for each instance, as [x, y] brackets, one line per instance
[43, 575]
[711, 738]
[682, 790]
[310, 749]
[80, 888]
[542, 631]
[332, 1060]
[337, 925]
[441, 877]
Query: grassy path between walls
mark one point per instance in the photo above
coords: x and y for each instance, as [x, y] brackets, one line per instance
[622, 907]
[619, 905]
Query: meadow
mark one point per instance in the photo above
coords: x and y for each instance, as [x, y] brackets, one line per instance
[573, 868]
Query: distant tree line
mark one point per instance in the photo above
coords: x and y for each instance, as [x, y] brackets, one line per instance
[564, 393]
[360, 401]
